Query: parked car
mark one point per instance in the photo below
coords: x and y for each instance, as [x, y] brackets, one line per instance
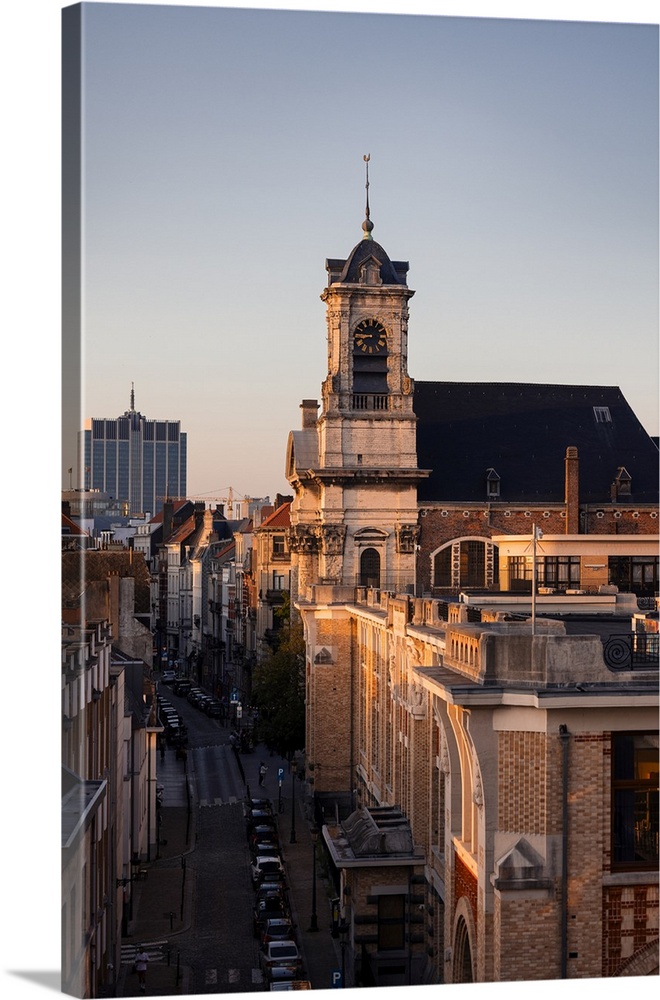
[274, 878]
[279, 955]
[168, 676]
[214, 708]
[268, 864]
[181, 685]
[263, 804]
[254, 817]
[278, 929]
[267, 907]
[263, 833]
[260, 847]
[290, 984]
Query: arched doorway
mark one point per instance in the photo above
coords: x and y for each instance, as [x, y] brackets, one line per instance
[462, 954]
[370, 568]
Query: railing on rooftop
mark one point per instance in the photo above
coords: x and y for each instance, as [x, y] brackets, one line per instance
[632, 651]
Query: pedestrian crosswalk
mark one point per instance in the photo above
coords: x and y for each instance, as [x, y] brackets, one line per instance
[154, 950]
[232, 977]
[231, 801]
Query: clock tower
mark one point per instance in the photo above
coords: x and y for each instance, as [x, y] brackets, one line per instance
[353, 466]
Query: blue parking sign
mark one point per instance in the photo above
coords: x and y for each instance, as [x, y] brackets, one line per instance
[336, 979]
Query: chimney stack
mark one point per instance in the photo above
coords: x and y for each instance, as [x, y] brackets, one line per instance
[309, 409]
[572, 492]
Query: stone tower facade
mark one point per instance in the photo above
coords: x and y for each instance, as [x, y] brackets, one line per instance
[353, 467]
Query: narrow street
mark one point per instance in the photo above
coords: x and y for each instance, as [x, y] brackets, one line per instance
[198, 929]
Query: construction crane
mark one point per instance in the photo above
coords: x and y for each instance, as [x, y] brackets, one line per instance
[228, 498]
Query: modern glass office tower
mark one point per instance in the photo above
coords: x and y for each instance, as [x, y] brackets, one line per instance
[136, 461]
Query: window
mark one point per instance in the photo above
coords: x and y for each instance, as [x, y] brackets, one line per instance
[492, 483]
[442, 568]
[520, 574]
[391, 922]
[559, 572]
[602, 415]
[634, 574]
[278, 581]
[370, 568]
[278, 545]
[635, 800]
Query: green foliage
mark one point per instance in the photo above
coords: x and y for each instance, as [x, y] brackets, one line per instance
[278, 688]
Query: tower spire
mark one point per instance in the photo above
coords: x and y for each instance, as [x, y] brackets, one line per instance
[367, 225]
[132, 396]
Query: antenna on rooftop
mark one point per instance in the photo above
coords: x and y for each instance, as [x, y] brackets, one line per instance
[132, 396]
[367, 225]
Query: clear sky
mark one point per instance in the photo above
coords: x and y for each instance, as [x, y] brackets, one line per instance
[514, 164]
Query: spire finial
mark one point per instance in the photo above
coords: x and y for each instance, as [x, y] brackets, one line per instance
[367, 225]
[132, 396]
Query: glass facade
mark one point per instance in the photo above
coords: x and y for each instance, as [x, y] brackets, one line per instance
[135, 460]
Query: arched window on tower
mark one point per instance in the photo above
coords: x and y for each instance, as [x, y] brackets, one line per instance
[370, 568]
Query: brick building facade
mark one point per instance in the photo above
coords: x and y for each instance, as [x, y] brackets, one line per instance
[490, 742]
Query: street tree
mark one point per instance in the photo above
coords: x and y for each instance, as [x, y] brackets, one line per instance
[278, 687]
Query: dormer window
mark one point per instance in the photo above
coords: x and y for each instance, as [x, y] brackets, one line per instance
[623, 482]
[492, 484]
[370, 272]
[602, 415]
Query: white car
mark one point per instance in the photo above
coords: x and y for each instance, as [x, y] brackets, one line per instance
[168, 676]
[266, 864]
[281, 960]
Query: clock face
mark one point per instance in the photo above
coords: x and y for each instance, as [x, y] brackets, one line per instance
[370, 337]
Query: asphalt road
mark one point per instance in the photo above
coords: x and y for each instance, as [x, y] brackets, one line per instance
[220, 948]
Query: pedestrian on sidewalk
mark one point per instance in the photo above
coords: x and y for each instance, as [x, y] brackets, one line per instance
[262, 772]
[141, 962]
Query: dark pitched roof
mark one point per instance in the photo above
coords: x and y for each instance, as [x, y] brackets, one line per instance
[392, 272]
[522, 431]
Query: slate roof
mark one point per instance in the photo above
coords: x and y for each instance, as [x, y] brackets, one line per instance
[392, 272]
[522, 431]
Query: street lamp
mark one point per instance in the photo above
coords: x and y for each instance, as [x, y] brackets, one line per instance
[292, 839]
[343, 933]
[314, 926]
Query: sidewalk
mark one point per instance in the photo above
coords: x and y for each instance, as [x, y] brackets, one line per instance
[163, 901]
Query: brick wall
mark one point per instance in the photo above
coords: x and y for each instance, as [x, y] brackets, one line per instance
[522, 768]
[329, 708]
[527, 938]
[630, 924]
[465, 884]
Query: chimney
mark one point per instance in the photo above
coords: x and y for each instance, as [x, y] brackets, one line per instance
[200, 510]
[309, 408]
[168, 509]
[572, 492]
